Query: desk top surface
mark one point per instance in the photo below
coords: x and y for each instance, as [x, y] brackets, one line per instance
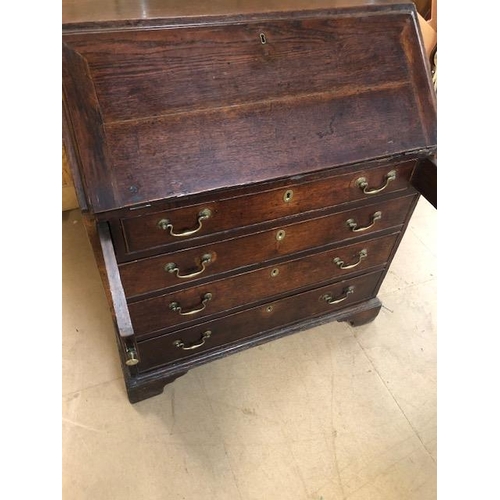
[90, 13]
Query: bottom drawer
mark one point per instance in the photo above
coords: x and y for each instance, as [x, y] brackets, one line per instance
[196, 340]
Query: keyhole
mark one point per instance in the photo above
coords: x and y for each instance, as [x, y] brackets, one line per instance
[287, 197]
[263, 40]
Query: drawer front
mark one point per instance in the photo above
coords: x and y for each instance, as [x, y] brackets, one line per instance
[169, 270]
[182, 225]
[196, 303]
[212, 334]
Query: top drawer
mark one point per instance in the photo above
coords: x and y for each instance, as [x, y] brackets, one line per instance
[184, 224]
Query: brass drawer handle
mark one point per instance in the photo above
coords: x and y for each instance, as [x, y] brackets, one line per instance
[176, 307]
[171, 267]
[361, 255]
[328, 297]
[362, 183]
[354, 225]
[180, 343]
[165, 224]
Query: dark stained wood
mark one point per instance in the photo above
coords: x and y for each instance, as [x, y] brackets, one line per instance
[172, 107]
[123, 322]
[141, 231]
[69, 146]
[160, 350]
[92, 14]
[419, 70]
[424, 180]
[364, 315]
[244, 290]
[310, 178]
[138, 74]
[216, 149]
[156, 376]
[139, 389]
[190, 104]
[253, 249]
[83, 117]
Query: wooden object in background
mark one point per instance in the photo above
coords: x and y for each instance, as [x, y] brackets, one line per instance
[244, 169]
[429, 30]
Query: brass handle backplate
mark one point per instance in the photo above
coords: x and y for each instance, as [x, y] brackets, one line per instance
[171, 267]
[165, 224]
[354, 225]
[362, 183]
[176, 307]
[180, 343]
[328, 297]
[361, 255]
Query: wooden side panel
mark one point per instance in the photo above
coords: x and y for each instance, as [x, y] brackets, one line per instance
[85, 132]
[424, 180]
[420, 73]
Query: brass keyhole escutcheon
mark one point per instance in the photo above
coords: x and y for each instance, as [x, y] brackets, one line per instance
[287, 197]
[275, 272]
[269, 309]
[280, 235]
[263, 39]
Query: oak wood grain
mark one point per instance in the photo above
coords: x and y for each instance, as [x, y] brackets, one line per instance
[237, 253]
[143, 74]
[177, 156]
[170, 113]
[243, 290]
[141, 232]
[171, 107]
[161, 350]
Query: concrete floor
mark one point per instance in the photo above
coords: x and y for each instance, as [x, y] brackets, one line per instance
[331, 413]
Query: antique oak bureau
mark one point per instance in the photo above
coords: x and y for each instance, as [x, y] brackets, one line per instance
[244, 169]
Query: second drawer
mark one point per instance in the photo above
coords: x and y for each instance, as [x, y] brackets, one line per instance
[197, 302]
